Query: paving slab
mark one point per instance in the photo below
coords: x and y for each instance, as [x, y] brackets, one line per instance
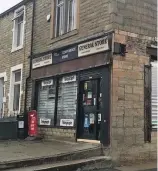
[21, 150]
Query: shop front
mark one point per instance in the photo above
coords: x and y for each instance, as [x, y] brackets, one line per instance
[72, 91]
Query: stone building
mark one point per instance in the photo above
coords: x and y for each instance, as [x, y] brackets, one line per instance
[15, 48]
[91, 73]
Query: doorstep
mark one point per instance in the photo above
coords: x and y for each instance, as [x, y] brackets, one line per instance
[88, 141]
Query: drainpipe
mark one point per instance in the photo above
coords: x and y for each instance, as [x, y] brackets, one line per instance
[31, 53]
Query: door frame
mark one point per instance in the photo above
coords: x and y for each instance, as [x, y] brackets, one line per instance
[80, 103]
[105, 77]
[3, 76]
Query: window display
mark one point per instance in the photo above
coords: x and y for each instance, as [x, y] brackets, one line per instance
[46, 102]
[67, 96]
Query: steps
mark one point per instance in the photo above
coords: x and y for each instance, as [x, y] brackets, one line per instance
[80, 156]
[98, 162]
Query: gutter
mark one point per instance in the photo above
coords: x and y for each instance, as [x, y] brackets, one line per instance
[31, 52]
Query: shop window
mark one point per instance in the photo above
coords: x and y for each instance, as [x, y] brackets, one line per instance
[65, 16]
[67, 96]
[46, 102]
[18, 29]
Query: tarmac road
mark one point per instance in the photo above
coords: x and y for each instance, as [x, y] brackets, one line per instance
[154, 169]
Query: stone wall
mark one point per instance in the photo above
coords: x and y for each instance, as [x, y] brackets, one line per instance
[135, 16]
[93, 19]
[57, 133]
[127, 104]
[8, 58]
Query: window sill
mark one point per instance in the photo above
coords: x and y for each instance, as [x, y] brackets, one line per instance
[16, 49]
[64, 36]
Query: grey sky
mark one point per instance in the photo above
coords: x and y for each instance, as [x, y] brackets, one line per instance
[6, 4]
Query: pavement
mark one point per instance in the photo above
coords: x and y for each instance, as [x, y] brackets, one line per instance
[155, 169]
[22, 150]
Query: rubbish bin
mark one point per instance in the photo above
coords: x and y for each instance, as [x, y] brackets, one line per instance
[21, 126]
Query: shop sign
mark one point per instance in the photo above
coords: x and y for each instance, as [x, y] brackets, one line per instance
[42, 61]
[68, 79]
[47, 83]
[45, 121]
[65, 55]
[66, 122]
[94, 46]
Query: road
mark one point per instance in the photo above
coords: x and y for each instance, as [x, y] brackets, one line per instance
[124, 170]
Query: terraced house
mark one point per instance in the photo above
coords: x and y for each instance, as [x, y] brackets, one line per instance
[91, 78]
[15, 48]
[91, 72]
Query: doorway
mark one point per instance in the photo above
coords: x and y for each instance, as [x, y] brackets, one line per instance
[90, 109]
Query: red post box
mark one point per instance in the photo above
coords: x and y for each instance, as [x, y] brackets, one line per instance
[32, 123]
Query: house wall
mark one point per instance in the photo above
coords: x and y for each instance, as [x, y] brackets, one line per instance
[136, 16]
[9, 59]
[127, 102]
[134, 23]
[93, 19]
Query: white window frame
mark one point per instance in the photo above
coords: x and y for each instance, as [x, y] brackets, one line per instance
[3, 75]
[75, 16]
[65, 23]
[11, 90]
[14, 30]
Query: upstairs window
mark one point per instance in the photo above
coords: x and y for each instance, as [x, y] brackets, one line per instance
[18, 29]
[65, 16]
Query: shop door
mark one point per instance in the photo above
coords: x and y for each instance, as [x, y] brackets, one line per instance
[89, 110]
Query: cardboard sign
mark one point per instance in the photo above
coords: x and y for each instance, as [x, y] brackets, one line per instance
[45, 121]
[66, 122]
[68, 79]
[47, 83]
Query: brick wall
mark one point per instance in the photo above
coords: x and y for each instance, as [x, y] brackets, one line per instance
[135, 16]
[127, 104]
[9, 59]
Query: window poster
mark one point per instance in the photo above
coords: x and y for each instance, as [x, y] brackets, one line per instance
[99, 117]
[91, 118]
[86, 122]
[85, 86]
[89, 96]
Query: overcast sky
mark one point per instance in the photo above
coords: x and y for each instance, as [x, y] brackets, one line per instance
[6, 4]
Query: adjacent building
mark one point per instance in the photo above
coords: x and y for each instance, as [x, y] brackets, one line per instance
[15, 48]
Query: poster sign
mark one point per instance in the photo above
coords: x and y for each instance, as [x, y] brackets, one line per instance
[65, 54]
[94, 46]
[45, 121]
[99, 117]
[47, 83]
[91, 118]
[66, 122]
[68, 79]
[86, 122]
[21, 124]
[42, 61]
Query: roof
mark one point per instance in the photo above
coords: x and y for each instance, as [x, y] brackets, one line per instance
[14, 7]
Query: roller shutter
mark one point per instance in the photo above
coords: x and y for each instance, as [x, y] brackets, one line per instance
[154, 96]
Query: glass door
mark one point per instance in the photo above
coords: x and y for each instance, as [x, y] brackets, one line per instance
[89, 110]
